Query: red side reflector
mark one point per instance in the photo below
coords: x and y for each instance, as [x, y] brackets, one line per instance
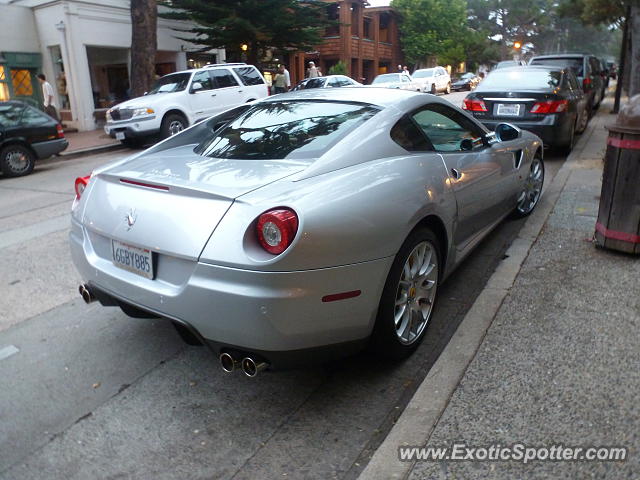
[59, 131]
[341, 296]
[147, 185]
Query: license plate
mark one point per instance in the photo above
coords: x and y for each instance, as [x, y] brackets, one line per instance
[508, 109]
[119, 135]
[133, 259]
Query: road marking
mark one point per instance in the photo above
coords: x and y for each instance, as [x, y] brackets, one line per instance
[6, 352]
[24, 234]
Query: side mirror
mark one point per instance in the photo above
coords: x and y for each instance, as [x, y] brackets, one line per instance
[506, 132]
[195, 86]
[466, 145]
[145, 93]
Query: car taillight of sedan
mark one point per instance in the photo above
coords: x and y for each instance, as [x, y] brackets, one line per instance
[276, 229]
[474, 105]
[550, 106]
[80, 185]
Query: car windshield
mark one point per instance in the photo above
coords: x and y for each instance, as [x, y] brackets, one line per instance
[467, 76]
[522, 79]
[574, 63]
[171, 83]
[386, 78]
[285, 130]
[429, 72]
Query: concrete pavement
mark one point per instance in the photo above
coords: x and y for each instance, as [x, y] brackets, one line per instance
[548, 354]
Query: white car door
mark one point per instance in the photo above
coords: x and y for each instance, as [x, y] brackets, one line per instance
[228, 92]
[202, 101]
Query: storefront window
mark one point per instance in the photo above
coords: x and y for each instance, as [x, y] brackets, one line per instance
[4, 87]
[21, 79]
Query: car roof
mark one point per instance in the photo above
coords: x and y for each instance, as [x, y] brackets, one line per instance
[14, 102]
[562, 55]
[520, 68]
[379, 96]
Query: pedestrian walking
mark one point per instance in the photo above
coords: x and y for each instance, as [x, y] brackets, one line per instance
[47, 95]
[313, 71]
[287, 78]
[280, 81]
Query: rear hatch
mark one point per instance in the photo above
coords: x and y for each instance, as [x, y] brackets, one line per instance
[175, 198]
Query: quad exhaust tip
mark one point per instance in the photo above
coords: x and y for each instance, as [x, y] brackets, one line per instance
[251, 368]
[86, 294]
[228, 363]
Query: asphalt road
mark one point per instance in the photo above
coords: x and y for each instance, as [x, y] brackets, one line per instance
[90, 393]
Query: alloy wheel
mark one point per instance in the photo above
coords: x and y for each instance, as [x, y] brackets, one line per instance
[416, 292]
[17, 160]
[532, 188]
[176, 126]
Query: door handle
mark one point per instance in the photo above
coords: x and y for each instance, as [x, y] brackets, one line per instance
[240, 91]
[456, 173]
[214, 94]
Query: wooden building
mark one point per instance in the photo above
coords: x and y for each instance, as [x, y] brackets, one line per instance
[366, 40]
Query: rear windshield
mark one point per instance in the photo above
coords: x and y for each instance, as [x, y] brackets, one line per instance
[171, 83]
[522, 79]
[429, 72]
[285, 130]
[574, 63]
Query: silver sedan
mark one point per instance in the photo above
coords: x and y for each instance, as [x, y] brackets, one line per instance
[303, 226]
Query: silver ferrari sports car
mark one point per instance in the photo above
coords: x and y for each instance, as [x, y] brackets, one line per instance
[302, 226]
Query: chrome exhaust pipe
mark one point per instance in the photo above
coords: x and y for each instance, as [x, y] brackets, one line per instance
[251, 368]
[227, 362]
[86, 294]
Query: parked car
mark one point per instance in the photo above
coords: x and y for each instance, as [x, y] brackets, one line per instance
[466, 81]
[396, 80]
[613, 69]
[329, 81]
[587, 69]
[432, 80]
[184, 98]
[268, 241]
[545, 100]
[27, 135]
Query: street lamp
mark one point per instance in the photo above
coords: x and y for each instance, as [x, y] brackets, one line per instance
[244, 47]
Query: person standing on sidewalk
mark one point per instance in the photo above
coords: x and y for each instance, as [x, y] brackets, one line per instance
[47, 95]
[312, 71]
[287, 78]
[280, 81]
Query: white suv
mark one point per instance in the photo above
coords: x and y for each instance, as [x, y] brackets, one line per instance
[181, 99]
[433, 80]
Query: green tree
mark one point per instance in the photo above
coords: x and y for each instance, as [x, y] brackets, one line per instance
[432, 28]
[284, 25]
[339, 68]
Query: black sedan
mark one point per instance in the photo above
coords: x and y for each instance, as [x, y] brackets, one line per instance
[466, 81]
[545, 100]
[26, 134]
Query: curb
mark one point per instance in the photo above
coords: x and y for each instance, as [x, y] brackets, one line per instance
[89, 151]
[420, 417]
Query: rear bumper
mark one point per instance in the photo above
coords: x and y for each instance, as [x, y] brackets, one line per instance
[276, 315]
[554, 130]
[50, 147]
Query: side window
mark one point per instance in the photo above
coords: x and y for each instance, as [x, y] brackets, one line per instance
[32, 117]
[446, 129]
[334, 82]
[249, 76]
[573, 82]
[10, 115]
[203, 78]
[223, 78]
[406, 134]
[405, 79]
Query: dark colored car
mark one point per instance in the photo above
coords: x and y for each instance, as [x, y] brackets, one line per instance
[587, 69]
[545, 100]
[466, 81]
[26, 135]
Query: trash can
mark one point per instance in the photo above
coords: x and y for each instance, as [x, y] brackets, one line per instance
[618, 225]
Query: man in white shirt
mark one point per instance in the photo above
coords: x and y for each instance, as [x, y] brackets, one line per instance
[287, 78]
[47, 95]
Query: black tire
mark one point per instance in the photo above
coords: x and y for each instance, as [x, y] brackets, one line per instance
[433, 89]
[384, 339]
[16, 160]
[172, 124]
[568, 146]
[583, 126]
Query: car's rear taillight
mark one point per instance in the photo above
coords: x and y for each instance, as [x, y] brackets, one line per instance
[474, 105]
[586, 83]
[276, 229]
[59, 131]
[81, 184]
[550, 106]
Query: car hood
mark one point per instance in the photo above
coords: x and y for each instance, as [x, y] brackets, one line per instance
[146, 100]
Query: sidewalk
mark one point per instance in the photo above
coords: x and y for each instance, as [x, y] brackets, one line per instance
[92, 141]
[559, 361]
